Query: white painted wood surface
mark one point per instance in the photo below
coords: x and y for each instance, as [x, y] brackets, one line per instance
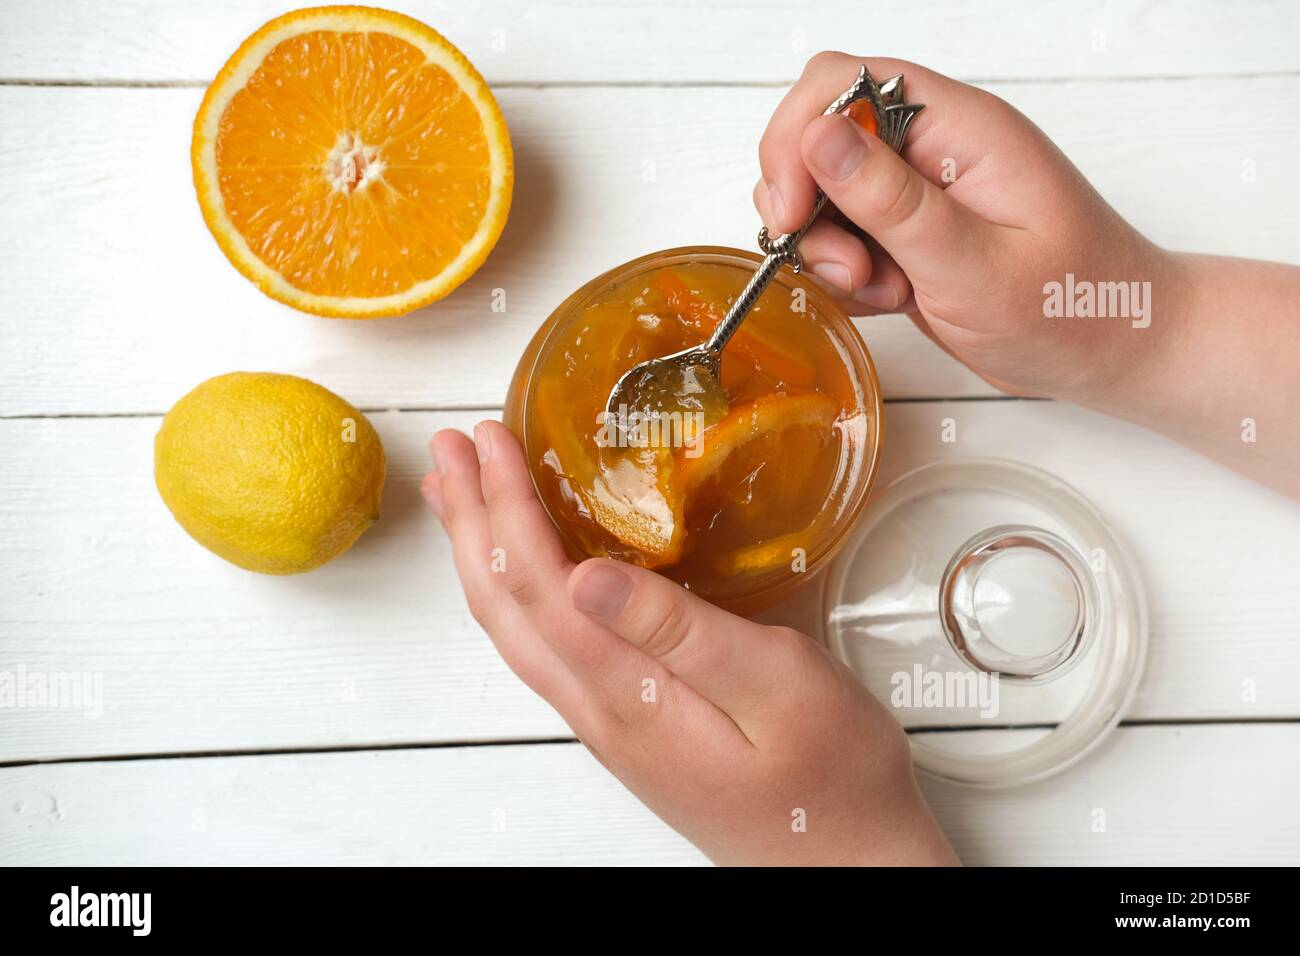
[635, 125]
[723, 41]
[1165, 795]
[376, 647]
[121, 302]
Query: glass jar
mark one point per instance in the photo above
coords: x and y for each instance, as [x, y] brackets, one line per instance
[785, 474]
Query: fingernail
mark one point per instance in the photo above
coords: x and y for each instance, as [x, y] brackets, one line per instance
[431, 489]
[777, 203]
[602, 592]
[433, 453]
[482, 443]
[837, 274]
[839, 149]
[877, 295]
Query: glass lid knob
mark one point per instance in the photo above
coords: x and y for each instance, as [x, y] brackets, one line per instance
[1018, 601]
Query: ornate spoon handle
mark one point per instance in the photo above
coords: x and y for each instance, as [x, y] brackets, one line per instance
[892, 115]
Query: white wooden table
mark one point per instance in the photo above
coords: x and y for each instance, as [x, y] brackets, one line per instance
[357, 714]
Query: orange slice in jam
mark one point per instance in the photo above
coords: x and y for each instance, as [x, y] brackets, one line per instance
[752, 436]
[766, 555]
[639, 500]
[637, 496]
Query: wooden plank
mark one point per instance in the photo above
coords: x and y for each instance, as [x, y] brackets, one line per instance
[553, 804]
[526, 41]
[114, 298]
[377, 648]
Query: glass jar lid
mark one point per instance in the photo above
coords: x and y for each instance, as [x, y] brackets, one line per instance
[989, 606]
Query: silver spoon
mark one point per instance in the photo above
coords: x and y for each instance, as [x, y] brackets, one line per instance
[694, 372]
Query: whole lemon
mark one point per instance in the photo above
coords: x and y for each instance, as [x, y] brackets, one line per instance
[271, 472]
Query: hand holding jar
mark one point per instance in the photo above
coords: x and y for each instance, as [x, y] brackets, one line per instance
[751, 741]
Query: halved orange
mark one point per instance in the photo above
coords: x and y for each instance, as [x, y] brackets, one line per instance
[351, 162]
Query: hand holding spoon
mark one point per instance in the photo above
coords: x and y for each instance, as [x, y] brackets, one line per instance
[691, 377]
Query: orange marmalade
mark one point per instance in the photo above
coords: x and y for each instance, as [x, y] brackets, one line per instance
[737, 495]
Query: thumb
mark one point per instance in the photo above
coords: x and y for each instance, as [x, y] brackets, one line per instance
[934, 238]
[738, 665]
